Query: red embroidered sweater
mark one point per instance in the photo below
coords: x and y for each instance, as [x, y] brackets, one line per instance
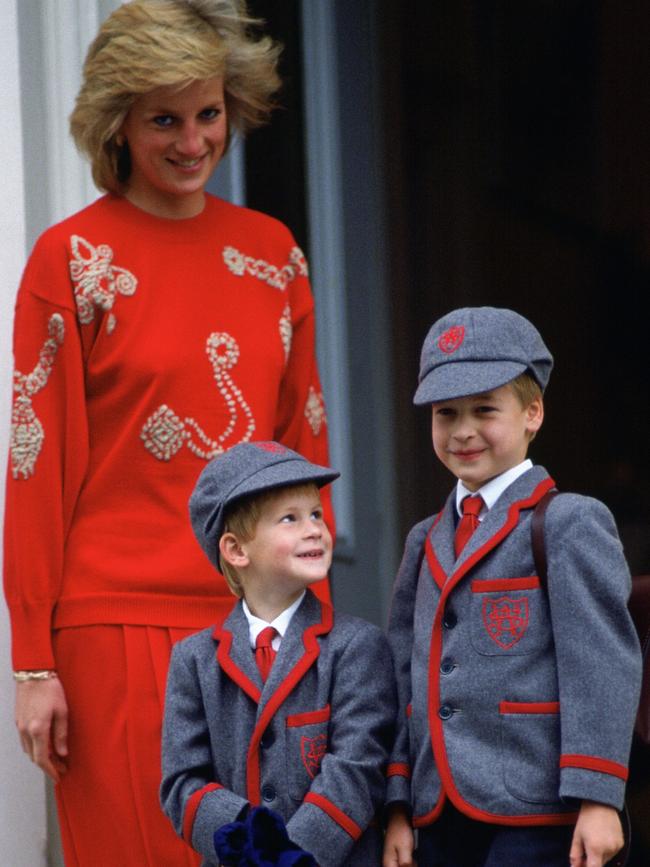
[144, 347]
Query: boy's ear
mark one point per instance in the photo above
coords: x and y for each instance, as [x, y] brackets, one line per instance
[232, 552]
[534, 415]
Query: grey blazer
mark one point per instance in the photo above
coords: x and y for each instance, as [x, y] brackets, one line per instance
[515, 701]
[311, 743]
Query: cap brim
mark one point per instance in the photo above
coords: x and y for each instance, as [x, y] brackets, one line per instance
[464, 378]
[281, 474]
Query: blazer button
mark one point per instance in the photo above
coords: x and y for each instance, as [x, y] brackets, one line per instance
[267, 740]
[447, 666]
[449, 620]
[268, 793]
[446, 712]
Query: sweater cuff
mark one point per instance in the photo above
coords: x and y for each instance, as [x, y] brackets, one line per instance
[31, 636]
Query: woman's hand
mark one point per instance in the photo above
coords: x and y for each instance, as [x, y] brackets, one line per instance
[42, 723]
[399, 841]
[598, 836]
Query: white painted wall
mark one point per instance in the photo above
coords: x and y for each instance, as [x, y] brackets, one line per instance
[22, 789]
[42, 46]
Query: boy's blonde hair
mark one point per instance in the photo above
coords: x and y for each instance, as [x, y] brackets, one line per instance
[526, 389]
[147, 44]
[242, 519]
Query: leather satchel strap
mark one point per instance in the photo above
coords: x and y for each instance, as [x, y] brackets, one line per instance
[537, 534]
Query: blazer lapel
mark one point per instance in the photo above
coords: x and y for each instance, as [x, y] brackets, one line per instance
[235, 655]
[502, 518]
[299, 648]
[439, 545]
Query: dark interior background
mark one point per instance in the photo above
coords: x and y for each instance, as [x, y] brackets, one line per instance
[520, 179]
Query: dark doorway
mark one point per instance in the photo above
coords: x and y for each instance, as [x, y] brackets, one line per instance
[518, 176]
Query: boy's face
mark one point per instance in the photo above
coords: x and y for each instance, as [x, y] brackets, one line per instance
[481, 436]
[291, 548]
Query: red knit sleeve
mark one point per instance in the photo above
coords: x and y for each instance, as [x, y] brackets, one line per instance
[301, 422]
[48, 452]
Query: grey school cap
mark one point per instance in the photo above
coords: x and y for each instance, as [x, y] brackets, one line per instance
[247, 468]
[476, 349]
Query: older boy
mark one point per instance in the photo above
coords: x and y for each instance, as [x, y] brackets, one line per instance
[517, 700]
[287, 704]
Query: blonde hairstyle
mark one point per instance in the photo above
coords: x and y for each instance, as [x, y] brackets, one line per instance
[242, 519]
[147, 44]
[526, 389]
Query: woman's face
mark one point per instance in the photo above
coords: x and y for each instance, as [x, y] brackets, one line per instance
[176, 138]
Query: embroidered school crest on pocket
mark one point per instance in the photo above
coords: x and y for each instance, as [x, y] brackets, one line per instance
[505, 619]
[312, 751]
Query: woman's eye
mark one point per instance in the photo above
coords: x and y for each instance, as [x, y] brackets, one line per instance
[210, 113]
[163, 120]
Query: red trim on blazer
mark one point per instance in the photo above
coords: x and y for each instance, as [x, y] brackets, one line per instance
[432, 815]
[192, 806]
[439, 575]
[409, 710]
[509, 525]
[224, 637]
[529, 707]
[312, 651]
[593, 763]
[334, 813]
[398, 769]
[435, 654]
[310, 717]
[496, 585]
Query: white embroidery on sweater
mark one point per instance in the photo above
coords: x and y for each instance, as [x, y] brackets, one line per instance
[286, 331]
[96, 280]
[279, 278]
[164, 433]
[315, 410]
[27, 434]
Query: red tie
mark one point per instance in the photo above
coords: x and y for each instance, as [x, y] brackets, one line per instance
[264, 653]
[471, 506]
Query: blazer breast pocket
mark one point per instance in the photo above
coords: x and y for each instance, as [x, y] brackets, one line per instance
[306, 744]
[509, 616]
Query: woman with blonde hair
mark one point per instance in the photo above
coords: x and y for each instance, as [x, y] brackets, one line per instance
[154, 329]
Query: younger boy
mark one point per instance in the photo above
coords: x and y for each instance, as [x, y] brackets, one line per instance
[287, 704]
[517, 696]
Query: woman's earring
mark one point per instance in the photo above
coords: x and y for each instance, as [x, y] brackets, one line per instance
[119, 140]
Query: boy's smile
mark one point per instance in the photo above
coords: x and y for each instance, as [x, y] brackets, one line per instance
[483, 435]
[291, 548]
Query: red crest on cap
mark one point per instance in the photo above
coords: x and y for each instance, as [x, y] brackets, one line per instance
[452, 338]
[274, 448]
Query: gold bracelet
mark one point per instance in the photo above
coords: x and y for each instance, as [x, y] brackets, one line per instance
[24, 676]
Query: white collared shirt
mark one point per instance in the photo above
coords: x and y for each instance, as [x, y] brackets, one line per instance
[492, 490]
[280, 624]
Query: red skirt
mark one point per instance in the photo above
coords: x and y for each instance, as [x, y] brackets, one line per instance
[109, 813]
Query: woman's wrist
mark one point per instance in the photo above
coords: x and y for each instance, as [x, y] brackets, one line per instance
[36, 674]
